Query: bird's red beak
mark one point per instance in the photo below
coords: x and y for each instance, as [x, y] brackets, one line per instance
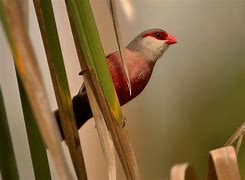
[170, 39]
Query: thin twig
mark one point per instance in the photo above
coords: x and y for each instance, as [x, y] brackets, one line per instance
[239, 143]
[240, 131]
[119, 42]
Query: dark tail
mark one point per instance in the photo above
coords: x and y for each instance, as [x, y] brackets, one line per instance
[81, 109]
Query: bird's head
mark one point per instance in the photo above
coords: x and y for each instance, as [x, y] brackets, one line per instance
[152, 43]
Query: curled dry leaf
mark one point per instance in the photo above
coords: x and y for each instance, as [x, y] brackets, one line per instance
[223, 164]
[182, 172]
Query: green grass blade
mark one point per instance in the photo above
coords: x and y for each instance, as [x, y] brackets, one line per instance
[105, 137]
[27, 67]
[94, 54]
[37, 147]
[99, 81]
[8, 166]
[50, 38]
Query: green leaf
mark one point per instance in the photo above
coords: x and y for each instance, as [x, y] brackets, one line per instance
[99, 87]
[37, 147]
[27, 67]
[51, 42]
[8, 166]
[94, 54]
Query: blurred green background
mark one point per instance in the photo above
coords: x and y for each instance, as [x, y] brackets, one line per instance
[193, 102]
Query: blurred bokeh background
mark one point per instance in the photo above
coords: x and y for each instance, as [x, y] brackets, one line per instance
[193, 102]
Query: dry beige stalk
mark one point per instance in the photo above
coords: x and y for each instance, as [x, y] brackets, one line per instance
[27, 67]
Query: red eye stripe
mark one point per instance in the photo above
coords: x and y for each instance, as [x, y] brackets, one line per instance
[158, 35]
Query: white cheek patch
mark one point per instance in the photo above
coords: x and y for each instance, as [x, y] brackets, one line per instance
[157, 47]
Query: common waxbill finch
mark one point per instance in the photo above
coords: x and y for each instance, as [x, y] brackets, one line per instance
[141, 55]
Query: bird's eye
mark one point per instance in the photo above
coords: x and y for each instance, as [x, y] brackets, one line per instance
[158, 35]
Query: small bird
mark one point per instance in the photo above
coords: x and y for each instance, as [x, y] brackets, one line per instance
[141, 55]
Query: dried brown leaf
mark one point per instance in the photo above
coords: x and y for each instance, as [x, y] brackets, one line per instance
[182, 172]
[223, 164]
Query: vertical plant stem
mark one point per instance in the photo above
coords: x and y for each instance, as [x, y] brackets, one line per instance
[103, 133]
[27, 67]
[93, 52]
[8, 166]
[119, 41]
[37, 147]
[24, 5]
[120, 137]
[51, 42]
[81, 18]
